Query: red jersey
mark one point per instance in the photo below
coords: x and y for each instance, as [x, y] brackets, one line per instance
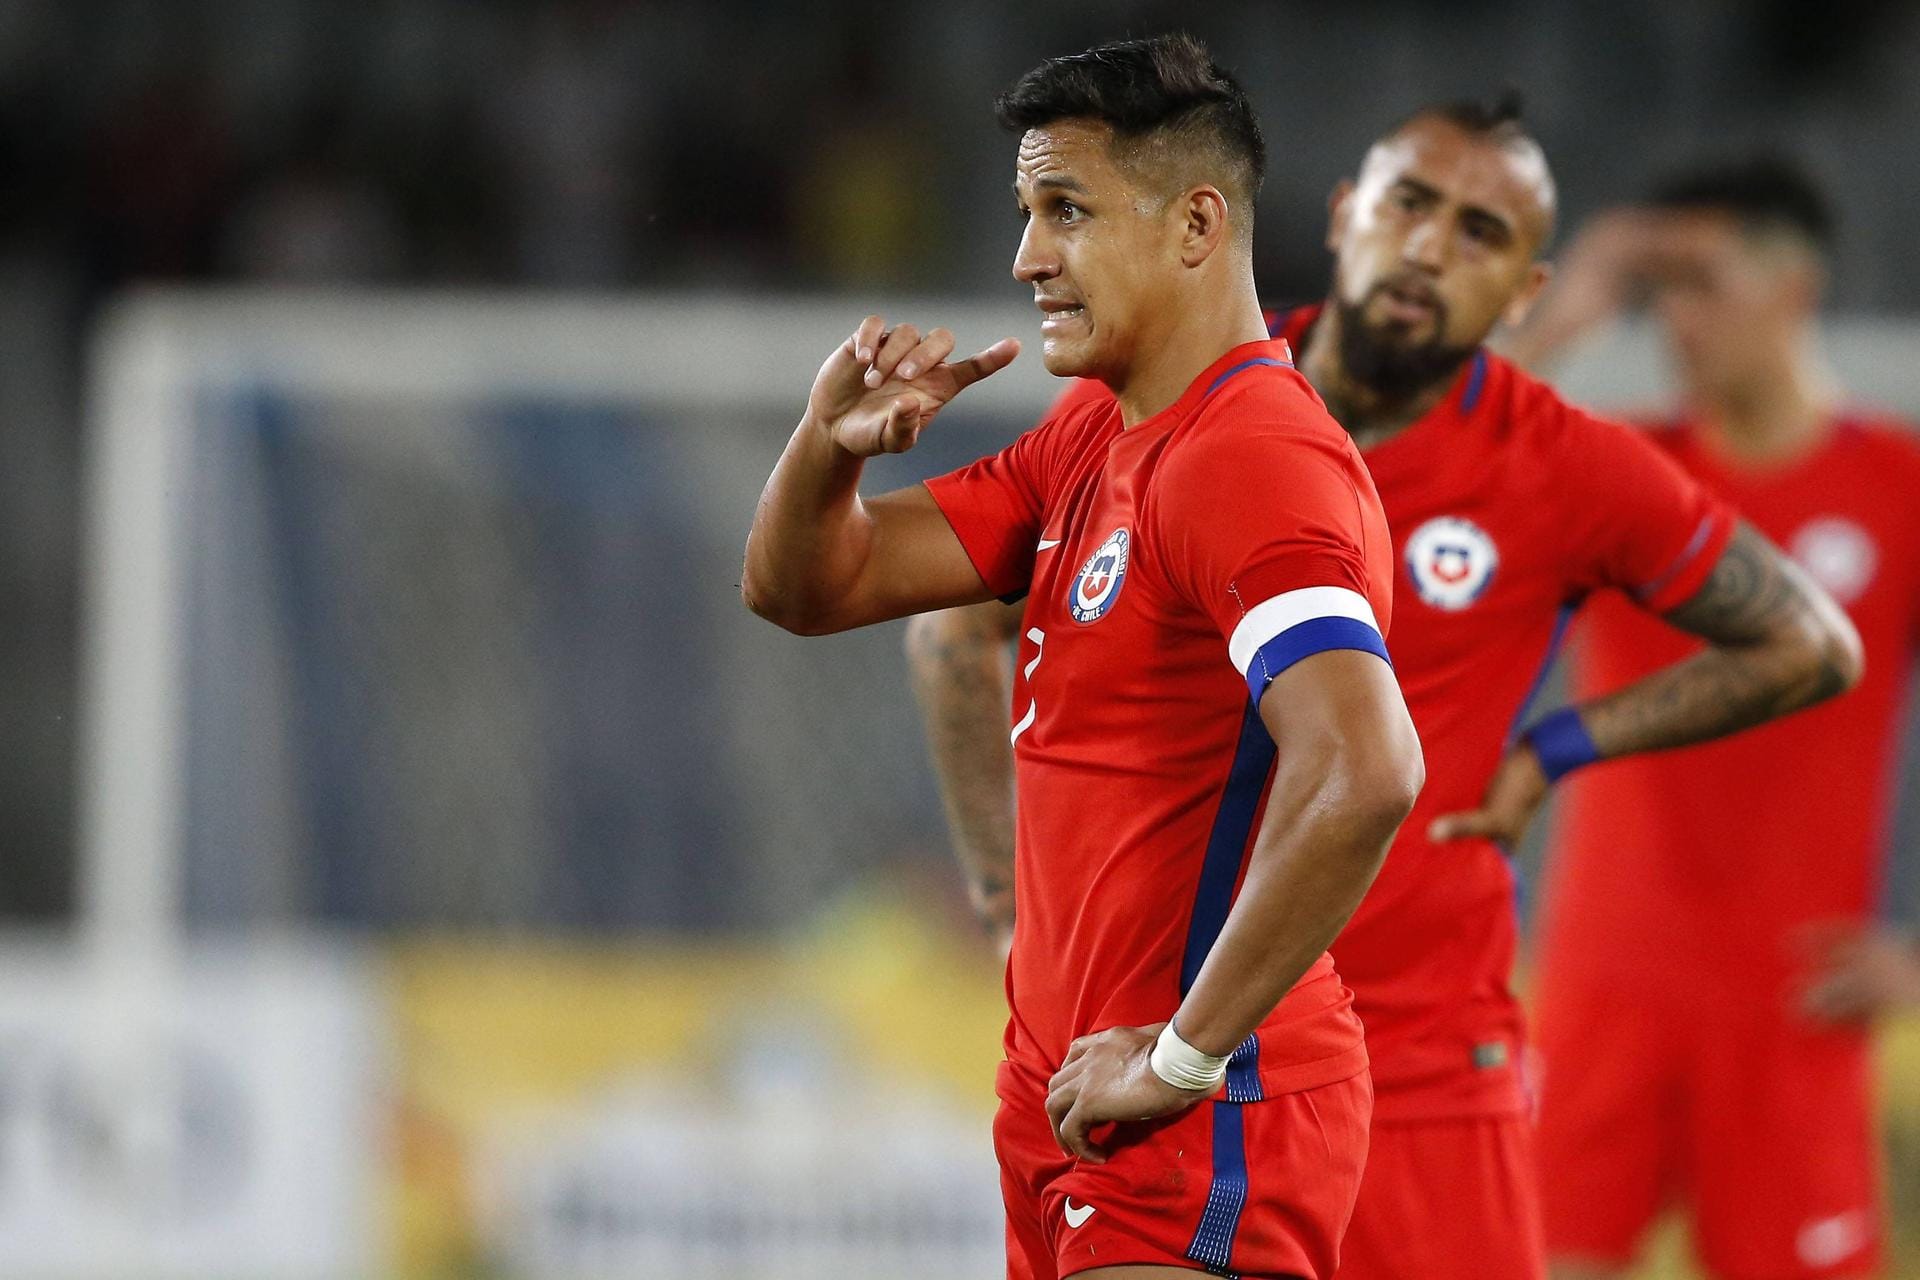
[1171, 570]
[1710, 858]
[1508, 507]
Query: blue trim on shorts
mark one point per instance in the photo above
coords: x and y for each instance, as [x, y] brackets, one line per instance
[1212, 1245]
[1243, 1071]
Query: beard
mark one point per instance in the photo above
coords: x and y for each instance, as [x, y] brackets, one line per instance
[1395, 370]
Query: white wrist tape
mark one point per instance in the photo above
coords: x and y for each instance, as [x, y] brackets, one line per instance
[1183, 1066]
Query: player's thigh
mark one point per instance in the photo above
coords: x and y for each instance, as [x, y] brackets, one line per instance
[1611, 1101]
[1784, 1151]
[1029, 1250]
[1029, 1160]
[1447, 1198]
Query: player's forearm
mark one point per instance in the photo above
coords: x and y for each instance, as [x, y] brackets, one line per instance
[1712, 694]
[810, 536]
[961, 665]
[1329, 820]
[1778, 644]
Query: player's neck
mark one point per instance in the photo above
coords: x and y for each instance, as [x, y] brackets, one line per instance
[1198, 338]
[1368, 416]
[1774, 418]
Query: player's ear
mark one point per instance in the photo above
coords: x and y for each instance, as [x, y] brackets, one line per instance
[1206, 225]
[1537, 277]
[1338, 201]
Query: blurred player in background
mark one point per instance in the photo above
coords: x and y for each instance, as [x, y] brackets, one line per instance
[1507, 508]
[1214, 753]
[1710, 959]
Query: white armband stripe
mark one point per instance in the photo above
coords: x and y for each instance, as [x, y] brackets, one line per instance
[1289, 609]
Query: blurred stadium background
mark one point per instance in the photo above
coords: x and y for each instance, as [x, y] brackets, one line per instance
[419, 864]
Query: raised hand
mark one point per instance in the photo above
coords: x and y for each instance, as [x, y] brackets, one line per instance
[1859, 972]
[1595, 279]
[881, 387]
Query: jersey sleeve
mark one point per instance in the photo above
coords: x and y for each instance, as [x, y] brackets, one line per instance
[1633, 518]
[1267, 530]
[997, 505]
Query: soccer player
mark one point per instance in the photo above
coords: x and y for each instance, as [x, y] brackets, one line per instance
[1508, 507]
[1709, 961]
[1212, 751]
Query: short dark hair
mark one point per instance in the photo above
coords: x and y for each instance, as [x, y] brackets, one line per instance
[1766, 193]
[1162, 88]
[1500, 117]
[1501, 121]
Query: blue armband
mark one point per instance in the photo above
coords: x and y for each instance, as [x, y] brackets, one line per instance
[1561, 743]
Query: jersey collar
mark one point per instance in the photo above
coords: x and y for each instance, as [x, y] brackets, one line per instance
[1235, 363]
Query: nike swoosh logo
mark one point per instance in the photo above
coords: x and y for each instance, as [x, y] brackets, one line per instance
[1078, 1217]
[1047, 544]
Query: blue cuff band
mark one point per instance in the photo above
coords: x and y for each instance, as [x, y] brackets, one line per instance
[1562, 743]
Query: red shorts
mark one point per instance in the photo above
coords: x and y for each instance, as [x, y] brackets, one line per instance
[1448, 1198]
[1253, 1189]
[1759, 1123]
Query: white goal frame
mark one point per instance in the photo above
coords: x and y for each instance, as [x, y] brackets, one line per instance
[156, 350]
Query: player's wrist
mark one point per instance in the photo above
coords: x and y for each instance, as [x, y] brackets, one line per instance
[1561, 743]
[827, 442]
[1183, 1066]
[820, 429]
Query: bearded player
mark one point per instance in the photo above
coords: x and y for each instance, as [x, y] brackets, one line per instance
[1508, 508]
[1710, 962]
[1212, 754]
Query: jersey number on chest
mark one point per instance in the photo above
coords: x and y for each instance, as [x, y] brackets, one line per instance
[1039, 639]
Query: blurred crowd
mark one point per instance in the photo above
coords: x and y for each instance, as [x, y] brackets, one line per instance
[603, 143]
[583, 144]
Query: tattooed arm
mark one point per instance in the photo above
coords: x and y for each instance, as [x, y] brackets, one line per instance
[1776, 643]
[962, 674]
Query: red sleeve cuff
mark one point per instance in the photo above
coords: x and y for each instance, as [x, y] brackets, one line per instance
[991, 544]
[1674, 585]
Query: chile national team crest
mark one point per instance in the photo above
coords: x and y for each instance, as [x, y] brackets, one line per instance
[1452, 560]
[1839, 554]
[1098, 585]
